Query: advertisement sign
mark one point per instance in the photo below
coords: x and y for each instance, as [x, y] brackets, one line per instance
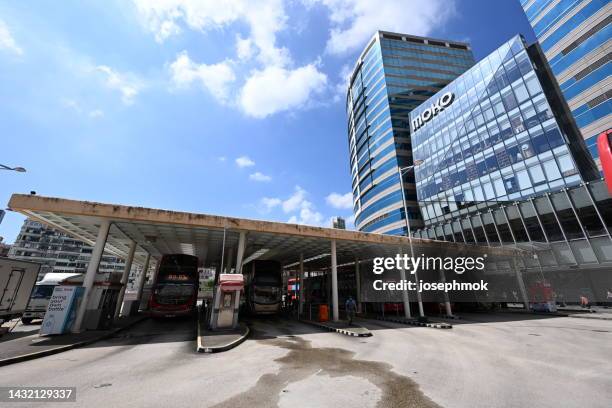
[207, 283]
[61, 310]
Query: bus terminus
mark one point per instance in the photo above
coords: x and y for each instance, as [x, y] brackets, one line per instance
[175, 289]
[263, 287]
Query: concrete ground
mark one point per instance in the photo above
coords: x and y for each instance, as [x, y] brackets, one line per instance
[24, 341]
[486, 360]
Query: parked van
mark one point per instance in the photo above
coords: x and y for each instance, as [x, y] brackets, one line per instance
[39, 299]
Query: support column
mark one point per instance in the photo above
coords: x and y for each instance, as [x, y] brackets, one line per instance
[302, 288]
[405, 299]
[419, 296]
[334, 279]
[241, 248]
[90, 275]
[357, 286]
[521, 284]
[447, 304]
[142, 279]
[125, 276]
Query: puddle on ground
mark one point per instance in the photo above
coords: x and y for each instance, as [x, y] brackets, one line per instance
[304, 361]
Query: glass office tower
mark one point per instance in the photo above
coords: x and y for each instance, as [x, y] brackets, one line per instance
[575, 36]
[394, 74]
[498, 133]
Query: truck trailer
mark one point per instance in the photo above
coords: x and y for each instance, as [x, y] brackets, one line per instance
[17, 278]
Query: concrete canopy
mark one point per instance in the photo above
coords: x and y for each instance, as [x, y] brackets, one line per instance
[159, 232]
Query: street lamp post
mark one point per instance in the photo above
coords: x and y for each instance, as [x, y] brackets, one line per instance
[400, 172]
[17, 169]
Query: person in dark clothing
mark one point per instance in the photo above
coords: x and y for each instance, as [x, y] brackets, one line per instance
[351, 308]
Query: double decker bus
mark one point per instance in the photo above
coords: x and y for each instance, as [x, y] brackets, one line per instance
[175, 290]
[263, 287]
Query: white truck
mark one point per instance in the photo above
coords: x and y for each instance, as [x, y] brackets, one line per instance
[39, 299]
[16, 281]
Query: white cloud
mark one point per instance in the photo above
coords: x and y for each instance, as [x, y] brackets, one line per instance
[7, 42]
[273, 85]
[270, 203]
[244, 48]
[296, 200]
[128, 86]
[304, 211]
[342, 85]
[276, 89]
[355, 21]
[340, 201]
[307, 213]
[96, 113]
[257, 176]
[307, 216]
[265, 18]
[216, 78]
[244, 161]
[222, 158]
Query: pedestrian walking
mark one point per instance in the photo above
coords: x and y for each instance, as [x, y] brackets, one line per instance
[351, 308]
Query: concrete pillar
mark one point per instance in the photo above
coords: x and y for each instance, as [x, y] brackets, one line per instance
[405, 299]
[90, 275]
[334, 283]
[302, 289]
[357, 286]
[241, 248]
[419, 296]
[142, 279]
[447, 304]
[236, 309]
[125, 276]
[521, 285]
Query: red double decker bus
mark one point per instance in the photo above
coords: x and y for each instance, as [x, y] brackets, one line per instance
[175, 290]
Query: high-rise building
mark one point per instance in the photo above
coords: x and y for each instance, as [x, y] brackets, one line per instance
[394, 74]
[57, 251]
[498, 133]
[500, 162]
[576, 38]
[338, 223]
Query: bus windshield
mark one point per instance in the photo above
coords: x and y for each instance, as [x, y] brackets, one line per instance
[42, 292]
[174, 290]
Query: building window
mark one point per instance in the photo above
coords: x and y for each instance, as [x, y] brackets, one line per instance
[549, 222]
[531, 222]
[566, 216]
[586, 212]
[509, 100]
[523, 179]
[521, 93]
[551, 170]
[511, 184]
[537, 174]
[566, 165]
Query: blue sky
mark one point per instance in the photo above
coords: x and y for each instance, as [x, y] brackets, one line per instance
[232, 108]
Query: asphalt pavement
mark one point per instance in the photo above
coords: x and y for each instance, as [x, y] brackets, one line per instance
[484, 361]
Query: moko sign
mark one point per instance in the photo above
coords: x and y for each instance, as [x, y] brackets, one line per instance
[437, 107]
